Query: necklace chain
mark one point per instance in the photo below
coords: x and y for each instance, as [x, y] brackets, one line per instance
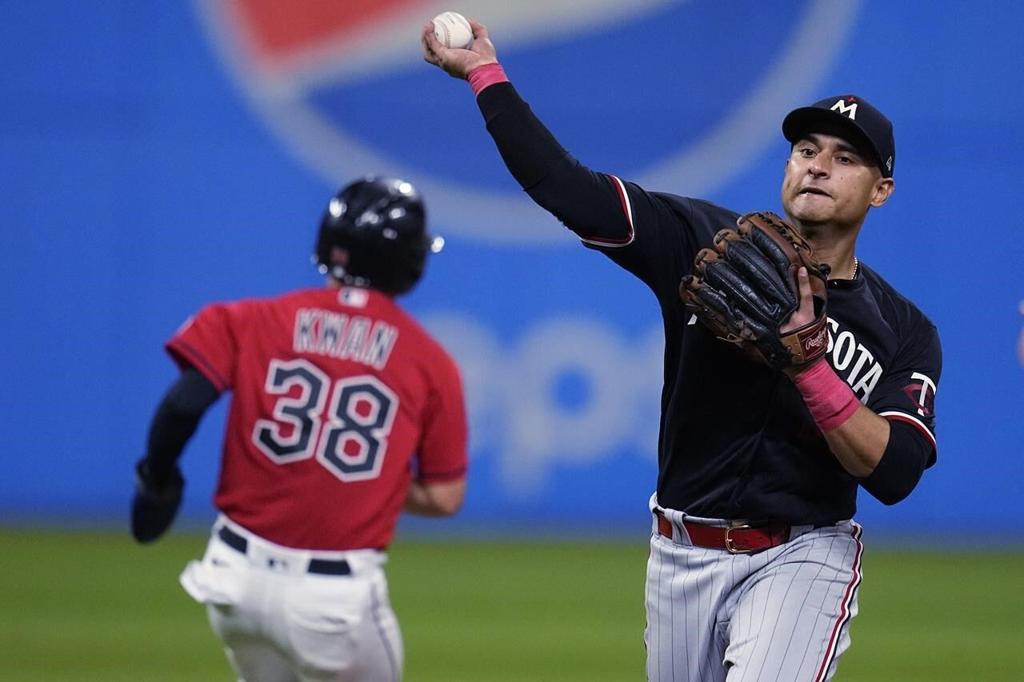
[856, 267]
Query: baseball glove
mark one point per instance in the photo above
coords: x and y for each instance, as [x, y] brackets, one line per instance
[745, 289]
[156, 501]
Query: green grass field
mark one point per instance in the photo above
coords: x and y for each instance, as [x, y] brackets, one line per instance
[94, 606]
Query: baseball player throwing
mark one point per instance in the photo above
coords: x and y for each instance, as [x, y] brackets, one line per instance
[344, 412]
[794, 374]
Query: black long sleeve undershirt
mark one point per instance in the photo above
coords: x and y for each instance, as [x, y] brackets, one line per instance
[582, 199]
[906, 457]
[176, 419]
[528, 148]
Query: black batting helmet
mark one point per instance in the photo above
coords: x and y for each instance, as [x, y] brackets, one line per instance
[381, 224]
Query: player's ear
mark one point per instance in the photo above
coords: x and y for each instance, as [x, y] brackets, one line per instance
[882, 190]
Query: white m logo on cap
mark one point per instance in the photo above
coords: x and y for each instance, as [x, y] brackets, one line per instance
[842, 108]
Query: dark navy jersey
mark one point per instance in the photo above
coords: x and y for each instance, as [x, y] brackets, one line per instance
[736, 440]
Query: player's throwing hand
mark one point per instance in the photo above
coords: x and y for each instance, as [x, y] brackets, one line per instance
[458, 62]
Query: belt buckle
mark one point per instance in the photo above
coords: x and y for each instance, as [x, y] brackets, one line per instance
[730, 545]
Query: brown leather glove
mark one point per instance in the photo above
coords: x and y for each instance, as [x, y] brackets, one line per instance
[745, 289]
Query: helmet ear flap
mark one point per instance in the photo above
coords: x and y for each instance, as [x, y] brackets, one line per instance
[380, 226]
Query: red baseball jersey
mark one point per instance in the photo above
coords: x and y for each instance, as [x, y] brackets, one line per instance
[339, 399]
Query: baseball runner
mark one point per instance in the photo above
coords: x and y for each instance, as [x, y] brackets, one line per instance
[344, 413]
[794, 373]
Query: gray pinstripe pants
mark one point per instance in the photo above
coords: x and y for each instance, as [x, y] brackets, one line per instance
[782, 614]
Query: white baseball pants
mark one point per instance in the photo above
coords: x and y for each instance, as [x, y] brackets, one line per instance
[279, 622]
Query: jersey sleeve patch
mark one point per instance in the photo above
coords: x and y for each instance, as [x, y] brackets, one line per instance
[627, 209]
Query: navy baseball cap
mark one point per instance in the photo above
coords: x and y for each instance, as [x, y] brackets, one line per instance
[868, 127]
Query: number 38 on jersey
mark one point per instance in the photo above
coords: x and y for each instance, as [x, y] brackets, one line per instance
[345, 425]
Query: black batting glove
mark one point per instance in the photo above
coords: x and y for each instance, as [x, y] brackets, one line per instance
[156, 501]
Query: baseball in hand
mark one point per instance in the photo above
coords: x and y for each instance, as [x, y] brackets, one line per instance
[452, 30]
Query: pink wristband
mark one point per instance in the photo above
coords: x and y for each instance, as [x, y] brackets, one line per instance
[828, 398]
[485, 76]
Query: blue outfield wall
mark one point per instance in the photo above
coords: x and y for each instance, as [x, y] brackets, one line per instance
[158, 157]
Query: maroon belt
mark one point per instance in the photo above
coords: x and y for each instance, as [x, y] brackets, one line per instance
[736, 539]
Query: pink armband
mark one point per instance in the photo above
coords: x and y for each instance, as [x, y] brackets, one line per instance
[828, 398]
[485, 76]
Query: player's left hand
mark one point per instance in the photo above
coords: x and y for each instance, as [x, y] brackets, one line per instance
[156, 501]
[458, 62]
[744, 290]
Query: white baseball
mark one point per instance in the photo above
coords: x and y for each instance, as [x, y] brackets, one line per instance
[452, 30]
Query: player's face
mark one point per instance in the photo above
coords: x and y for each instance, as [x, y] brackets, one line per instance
[828, 180]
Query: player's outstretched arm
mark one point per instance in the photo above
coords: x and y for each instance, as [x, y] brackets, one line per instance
[458, 62]
[587, 202]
